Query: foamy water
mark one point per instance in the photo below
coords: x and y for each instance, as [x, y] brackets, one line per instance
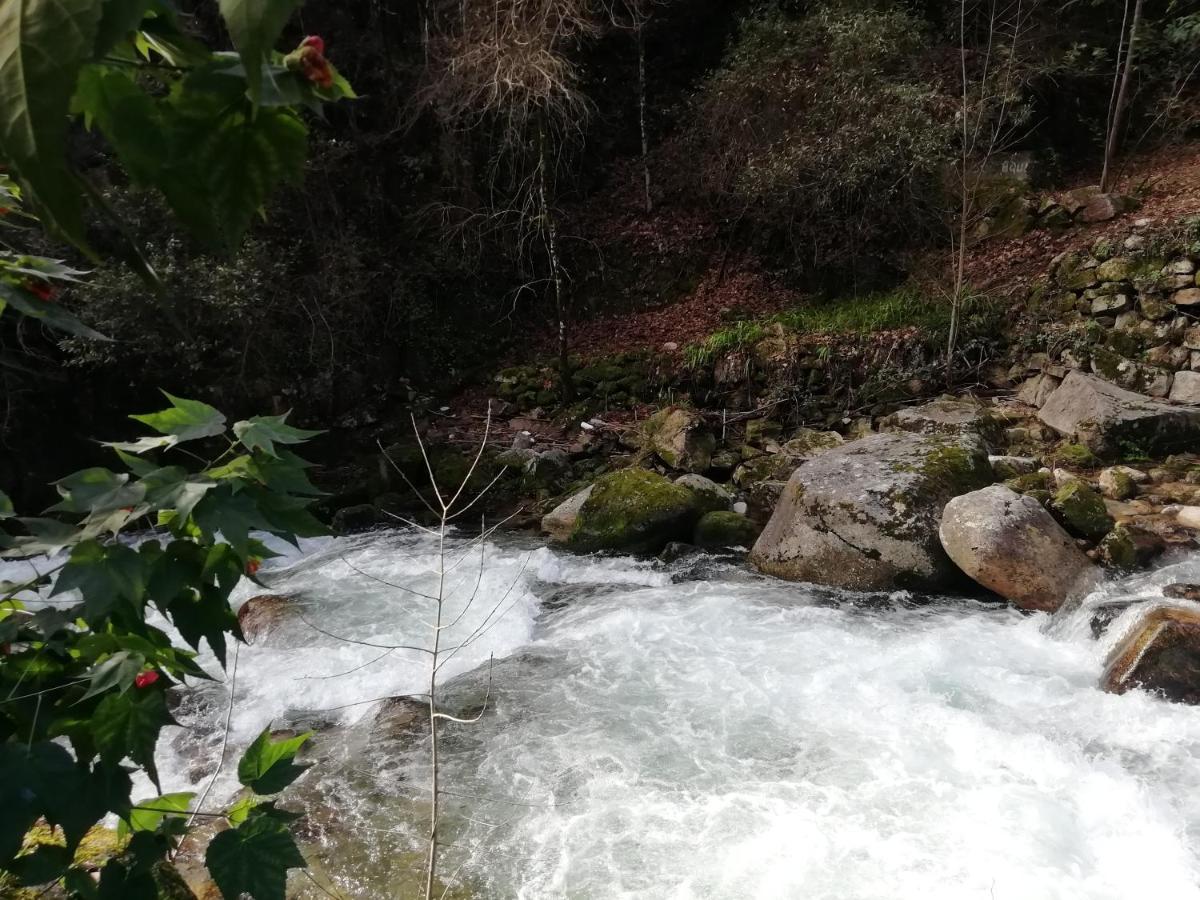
[699, 732]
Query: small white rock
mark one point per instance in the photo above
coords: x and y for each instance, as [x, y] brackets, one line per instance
[740, 507]
[1188, 517]
[1062, 476]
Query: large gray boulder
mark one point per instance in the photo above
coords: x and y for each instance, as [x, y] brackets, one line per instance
[865, 515]
[1106, 418]
[943, 416]
[1009, 544]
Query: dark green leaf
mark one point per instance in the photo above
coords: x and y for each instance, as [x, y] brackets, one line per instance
[233, 515]
[122, 880]
[267, 766]
[46, 863]
[89, 490]
[105, 575]
[127, 725]
[255, 26]
[253, 859]
[6, 507]
[115, 673]
[118, 20]
[264, 432]
[43, 44]
[47, 312]
[127, 116]
[45, 536]
[204, 617]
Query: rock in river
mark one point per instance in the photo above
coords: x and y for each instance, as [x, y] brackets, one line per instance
[865, 515]
[1009, 544]
[1161, 654]
[636, 511]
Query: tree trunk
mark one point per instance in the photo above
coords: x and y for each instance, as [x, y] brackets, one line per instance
[550, 231]
[641, 47]
[1122, 101]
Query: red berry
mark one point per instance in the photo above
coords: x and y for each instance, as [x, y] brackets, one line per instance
[145, 679]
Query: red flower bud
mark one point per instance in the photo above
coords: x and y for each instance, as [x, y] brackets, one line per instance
[314, 41]
[252, 565]
[145, 679]
[41, 289]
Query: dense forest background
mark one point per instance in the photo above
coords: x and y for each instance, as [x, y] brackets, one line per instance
[512, 170]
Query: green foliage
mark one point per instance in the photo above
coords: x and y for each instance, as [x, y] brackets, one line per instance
[86, 675]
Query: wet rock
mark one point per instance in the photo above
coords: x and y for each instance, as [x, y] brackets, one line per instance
[677, 550]
[359, 517]
[865, 515]
[1104, 418]
[762, 498]
[559, 522]
[1161, 654]
[1181, 591]
[718, 530]
[1104, 614]
[1081, 510]
[679, 438]
[1130, 547]
[399, 718]
[262, 614]
[633, 510]
[1010, 544]
[710, 496]
[807, 442]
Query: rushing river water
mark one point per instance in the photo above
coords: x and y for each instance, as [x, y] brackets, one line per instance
[695, 731]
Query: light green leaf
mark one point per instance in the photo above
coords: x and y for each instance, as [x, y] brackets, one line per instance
[47, 311]
[263, 432]
[118, 671]
[6, 507]
[147, 814]
[267, 766]
[255, 26]
[184, 420]
[240, 811]
[43, 43]
[253, 859]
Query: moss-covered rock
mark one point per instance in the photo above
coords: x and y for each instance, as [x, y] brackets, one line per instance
[760, 431]
[710, 496]
[1081, 510]
[679, 438]
[1075, 455]
[1034, 481]
[636, 511]
[717, 530]
[1118, 550]
[806, 441]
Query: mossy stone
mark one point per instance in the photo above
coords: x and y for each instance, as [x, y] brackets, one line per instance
[636, 511]
[1076, 455]
[1118, 550]
[716, 530]
[1033, 481]
[1081, 510]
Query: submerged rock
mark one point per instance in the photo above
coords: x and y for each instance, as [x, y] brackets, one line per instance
[262, 614]
[1105, 418]
[718, 530]
[559, 522]
[1010, 544]
[633, 510]
[1181, 591]
[1160, 654]
[865, 515]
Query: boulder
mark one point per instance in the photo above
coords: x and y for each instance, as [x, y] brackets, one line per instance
[262, 614]
[635, 511]
[865, 515]
[719, 530]
[1182, 591]
[1161, 653]
[358, 517]
[560, 521]
[1102, 207]
[809, 441]
[1081, 510]
[680, 439]
[943, 416]
[1120, 482]
[400, 718]
[710, 496]
[1104, 418]
[1186, 387]
[1009, 544]
[1036, 390]
[1012, 466]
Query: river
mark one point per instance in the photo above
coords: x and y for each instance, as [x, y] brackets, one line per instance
[693, 730]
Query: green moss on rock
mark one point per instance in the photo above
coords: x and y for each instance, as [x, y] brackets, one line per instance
[1076, 455]
[636, 511]
[1118, 550]
[721, 529]
[1081, 510]
[1034, 481]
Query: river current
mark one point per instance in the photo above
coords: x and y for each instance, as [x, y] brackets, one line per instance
[692, 730]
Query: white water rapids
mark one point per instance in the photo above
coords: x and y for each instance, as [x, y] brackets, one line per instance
[694, 731]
